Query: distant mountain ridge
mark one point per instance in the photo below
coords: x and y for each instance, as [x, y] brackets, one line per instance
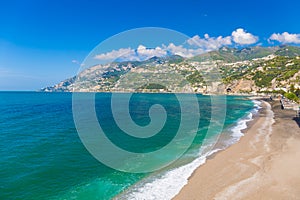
[228, 54]
[235, 65]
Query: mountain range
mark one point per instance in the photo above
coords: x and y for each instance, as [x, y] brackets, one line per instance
[237, 70]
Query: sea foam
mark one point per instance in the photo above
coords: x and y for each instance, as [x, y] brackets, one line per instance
[167, 185]
[241, 124]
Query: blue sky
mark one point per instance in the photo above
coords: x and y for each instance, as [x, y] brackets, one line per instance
[39, 39]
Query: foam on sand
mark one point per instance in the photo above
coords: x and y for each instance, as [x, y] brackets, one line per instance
[168, 185]
[241, 124]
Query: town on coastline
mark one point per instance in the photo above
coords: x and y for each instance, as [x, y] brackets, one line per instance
[249, 71]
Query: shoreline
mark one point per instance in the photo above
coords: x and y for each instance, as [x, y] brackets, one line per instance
[230, 136]
[252, 168]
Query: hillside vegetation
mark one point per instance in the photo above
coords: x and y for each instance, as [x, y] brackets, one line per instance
[248, 70]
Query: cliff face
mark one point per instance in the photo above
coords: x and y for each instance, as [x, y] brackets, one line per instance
[249, 70]
[242, 86]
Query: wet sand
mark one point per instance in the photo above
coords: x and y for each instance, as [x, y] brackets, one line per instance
[264, 164]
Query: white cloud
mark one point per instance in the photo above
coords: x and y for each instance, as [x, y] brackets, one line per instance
[150, 52]
[114, 54]
[240, 36]
[76, 62]
[209, 43]
[182, 51]
[144, 53]
[285, 38]
[193, 46]
[141, 53]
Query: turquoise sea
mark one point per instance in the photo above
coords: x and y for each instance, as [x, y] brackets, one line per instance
[42, 156]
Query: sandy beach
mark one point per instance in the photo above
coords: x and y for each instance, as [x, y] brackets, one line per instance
[264, 164]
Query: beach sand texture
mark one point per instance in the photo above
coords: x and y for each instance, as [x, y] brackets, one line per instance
[264, 164]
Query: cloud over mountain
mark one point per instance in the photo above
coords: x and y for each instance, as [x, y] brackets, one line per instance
[193, 46]
[209, 43]
[285, 38]
[114, 54]
[240, 36]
